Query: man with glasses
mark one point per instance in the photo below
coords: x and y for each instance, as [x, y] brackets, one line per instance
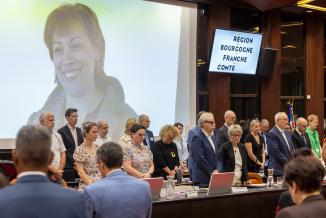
[299, 136]
[221, 134]
[279, 144]
[204, 151]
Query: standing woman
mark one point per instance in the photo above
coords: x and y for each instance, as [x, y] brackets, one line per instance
[85, 157]
[166, 158]
[234, 156]
[138, 159]
[313, 135]
[255, 146]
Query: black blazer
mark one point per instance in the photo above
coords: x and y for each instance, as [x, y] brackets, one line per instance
[228, 159]
[298, 141]
[69, 143]
[221, 135]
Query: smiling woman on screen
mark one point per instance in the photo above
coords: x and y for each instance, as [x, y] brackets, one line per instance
[76, 46]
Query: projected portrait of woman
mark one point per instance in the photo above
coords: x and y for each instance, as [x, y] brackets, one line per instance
[76, 46]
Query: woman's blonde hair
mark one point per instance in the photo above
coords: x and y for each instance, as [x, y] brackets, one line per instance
[254, 122]
[168, 130]
[129, 123]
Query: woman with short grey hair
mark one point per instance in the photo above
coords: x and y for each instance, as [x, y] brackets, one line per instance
[234, 156]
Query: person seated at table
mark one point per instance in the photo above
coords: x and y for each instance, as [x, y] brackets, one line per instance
[85, 157]
[166, 158]
[285, 199]
[304, 176]
[138, 159]
[234, 156]
[125, 140]
[254, 144]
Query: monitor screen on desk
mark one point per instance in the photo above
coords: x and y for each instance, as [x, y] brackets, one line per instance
[235, 52]
[220, 183]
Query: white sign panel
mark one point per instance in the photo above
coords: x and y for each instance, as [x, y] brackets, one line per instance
[235, 52]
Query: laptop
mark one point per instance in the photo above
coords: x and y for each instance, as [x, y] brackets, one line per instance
[220, 183]
[155, 185]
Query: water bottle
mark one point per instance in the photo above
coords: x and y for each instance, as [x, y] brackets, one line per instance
[179, 176]
[270, 179]
[170, 193]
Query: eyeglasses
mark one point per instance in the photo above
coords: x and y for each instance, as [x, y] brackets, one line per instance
[235, 136]
[210, 122]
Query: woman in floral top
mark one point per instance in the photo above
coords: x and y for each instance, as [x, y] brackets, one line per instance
[138, 160]
[85, 157]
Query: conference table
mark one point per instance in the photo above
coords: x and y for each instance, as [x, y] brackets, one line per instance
[255, 203]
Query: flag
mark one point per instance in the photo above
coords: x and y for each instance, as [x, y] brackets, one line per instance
[290, 114]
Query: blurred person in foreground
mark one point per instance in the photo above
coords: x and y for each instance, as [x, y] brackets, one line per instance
[117, 194]
[304, 176]
[34, 195]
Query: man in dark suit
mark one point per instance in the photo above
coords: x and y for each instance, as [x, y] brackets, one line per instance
[72, 136]
[111, 196]
[34, 195]
[149, 137]
[304, 176]
[264, 127]
[221, 134]
[204, 151]
[279, 144]
[300, 138]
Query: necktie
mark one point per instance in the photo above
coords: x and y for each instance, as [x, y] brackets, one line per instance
[304, 140]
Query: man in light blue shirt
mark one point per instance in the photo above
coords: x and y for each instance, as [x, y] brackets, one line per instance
[117, 194]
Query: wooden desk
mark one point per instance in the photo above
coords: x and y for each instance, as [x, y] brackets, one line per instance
[256, 203]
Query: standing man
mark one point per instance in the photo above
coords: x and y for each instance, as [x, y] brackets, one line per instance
[34, 195]
[149, 137]
[72, 136]
[221, 134]
[205, 152]
[279, 144]
[264, 127]
[57, 147]
[299, 136]
[111, 196]
[102, 136]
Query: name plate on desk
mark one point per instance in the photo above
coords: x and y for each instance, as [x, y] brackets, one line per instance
[239, 189]
[192, 194]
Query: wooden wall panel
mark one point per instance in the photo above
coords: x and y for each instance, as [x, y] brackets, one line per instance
[218, 85]
[314, 68]
[271, 87]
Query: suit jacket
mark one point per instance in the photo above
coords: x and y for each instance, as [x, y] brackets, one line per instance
[221, 135]
[278, 150]
[151, 140]
[298, 142]
[191, 134]
[311, 207]
[119, 195]
[69, 143]
[36, 196]
[205, 160]
[228, 159]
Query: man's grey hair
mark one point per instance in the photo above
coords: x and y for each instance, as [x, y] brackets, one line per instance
[111, 154]
[101, 122]
[264, 122]
[33, 145]
[279, 115]
[203, 118]
[235, 128]
[44, 115]
[141, 117]
[228, 112]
